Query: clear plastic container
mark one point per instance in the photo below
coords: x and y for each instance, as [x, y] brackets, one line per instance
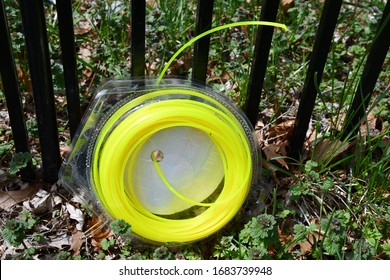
[175, 160]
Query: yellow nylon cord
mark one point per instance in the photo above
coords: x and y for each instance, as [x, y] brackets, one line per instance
[129, 127]
[172, 189]
[216, 29]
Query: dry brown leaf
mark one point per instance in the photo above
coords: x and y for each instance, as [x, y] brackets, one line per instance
[10, 198]
[179, 66]
[286, 5]
[219, 78]
[98, 231]
[276, 142]
[312, 137]
[307, 246]
[326, 148]
[151, 3]
[281, 131]
[85, 53]
[372, 125]
[83, 27]
[87, 75]
[24, 78]
[77, 242]
[275, 152]
[285, 237]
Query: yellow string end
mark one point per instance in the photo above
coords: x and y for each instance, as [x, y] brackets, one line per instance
[208, 32]
[172, 189]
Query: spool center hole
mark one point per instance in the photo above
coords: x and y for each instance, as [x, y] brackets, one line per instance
[158, 155]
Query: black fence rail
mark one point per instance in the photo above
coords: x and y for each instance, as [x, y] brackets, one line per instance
[34, 25]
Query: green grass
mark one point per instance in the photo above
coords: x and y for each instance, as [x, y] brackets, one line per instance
[332, 204]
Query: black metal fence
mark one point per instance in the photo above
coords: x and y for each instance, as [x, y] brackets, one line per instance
[34, 24]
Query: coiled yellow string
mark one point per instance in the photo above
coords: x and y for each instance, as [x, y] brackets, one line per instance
[125, 132]
[121, 137]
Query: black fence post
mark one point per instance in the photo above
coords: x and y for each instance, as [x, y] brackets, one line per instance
[12, 94]
[138, 38]
[372, 68]
[40, 70]
[201, 48]
[318, 58]
[67, 40]
[264, 35]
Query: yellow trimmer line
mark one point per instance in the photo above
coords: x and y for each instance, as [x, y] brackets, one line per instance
[117, 148]
[171, 157]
